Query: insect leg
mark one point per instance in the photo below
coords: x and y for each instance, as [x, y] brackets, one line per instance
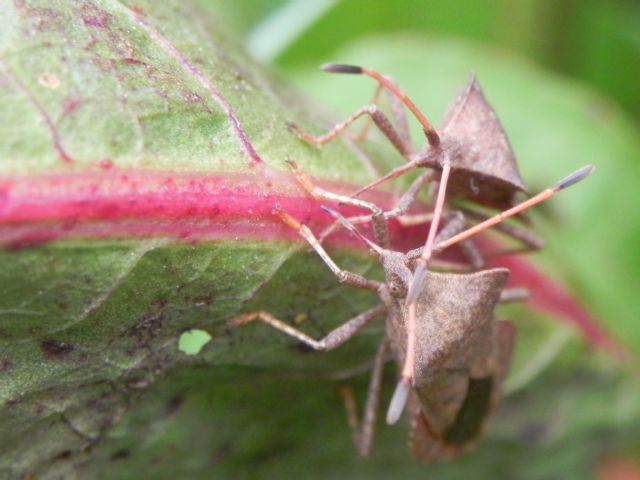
[362, 134]
[344, 276]
[363, 435]
[497, 219]
[399, 398]
[380, 227]
[429, 131]
[401, 208]
[378, 117]
[333, 339]
[544, 195]
[373, 401]
[455, 224]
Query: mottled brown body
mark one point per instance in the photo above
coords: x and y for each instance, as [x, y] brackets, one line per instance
[441, 427]
[483, 165]
[462, 359]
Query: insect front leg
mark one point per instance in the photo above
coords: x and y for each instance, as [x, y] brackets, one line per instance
[397, 110]
[344, 276]
[398, 136]
[380, 227]
[332, 340]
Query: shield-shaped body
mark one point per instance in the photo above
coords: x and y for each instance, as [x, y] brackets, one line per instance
[462, 357]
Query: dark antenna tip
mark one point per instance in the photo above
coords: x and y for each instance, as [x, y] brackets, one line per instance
[339, 68]
[574, 178]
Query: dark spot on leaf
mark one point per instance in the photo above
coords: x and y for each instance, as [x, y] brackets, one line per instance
[137, 10]
[207, 299]
[147, 327]
[64, 454]
[160, 303]
[70, 105]
[55, 349]
[94, 17]
[132, 61]
[220, 453]
[174, 405]
[120, 454]
[5, 365]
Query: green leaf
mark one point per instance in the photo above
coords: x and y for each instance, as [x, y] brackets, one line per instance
[93, 88]
[92, 381]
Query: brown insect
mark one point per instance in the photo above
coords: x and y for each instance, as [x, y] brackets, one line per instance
[471, 142]
[440, 328]
[469, 156]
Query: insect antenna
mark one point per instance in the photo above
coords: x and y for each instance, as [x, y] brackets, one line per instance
[373, 247]
[396, 172]
[566, 182]
[432, 136]
[406, 378]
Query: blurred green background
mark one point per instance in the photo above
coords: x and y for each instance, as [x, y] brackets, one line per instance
[594, 41]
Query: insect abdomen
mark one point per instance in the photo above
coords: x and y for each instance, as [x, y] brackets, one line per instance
[473, 412]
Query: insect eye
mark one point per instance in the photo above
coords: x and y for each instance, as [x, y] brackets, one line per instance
[397, 290]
